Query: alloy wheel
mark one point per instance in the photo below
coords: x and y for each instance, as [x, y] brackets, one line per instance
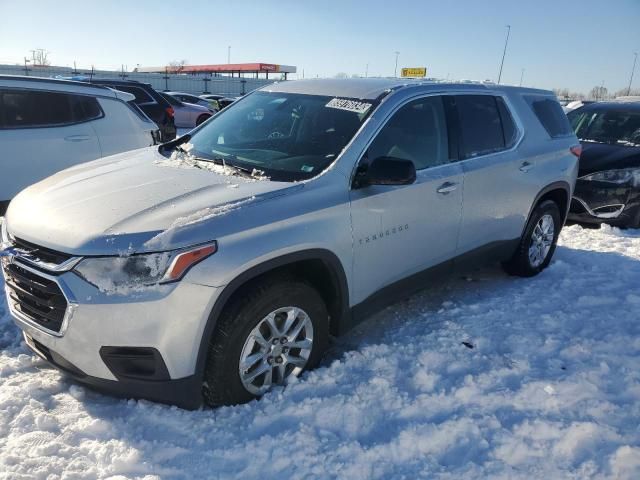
[277, 348]
[541, 240]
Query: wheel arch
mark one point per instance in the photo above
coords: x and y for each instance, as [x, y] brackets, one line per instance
[321, 268]
[559, 192]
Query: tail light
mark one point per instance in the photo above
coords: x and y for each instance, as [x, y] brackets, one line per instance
[170, 112]
[576, 150]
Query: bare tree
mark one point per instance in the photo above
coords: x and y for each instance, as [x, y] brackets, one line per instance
[176, 66]
[40, 57]
[341, 75]
[599, 93]
[623, 92]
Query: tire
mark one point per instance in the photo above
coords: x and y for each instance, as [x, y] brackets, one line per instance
[522, 264]
[247, 312]
[202, 118]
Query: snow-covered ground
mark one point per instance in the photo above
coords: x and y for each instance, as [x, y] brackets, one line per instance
[484, 376]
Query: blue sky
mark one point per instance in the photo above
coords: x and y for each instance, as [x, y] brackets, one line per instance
[561, 43]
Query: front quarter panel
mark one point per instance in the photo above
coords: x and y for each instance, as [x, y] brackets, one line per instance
[313, 217]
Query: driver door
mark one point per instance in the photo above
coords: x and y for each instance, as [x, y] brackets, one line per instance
[402, 230]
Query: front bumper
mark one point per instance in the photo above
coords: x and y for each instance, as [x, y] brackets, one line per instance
[183, 392]
[600, 202]
[167, 320]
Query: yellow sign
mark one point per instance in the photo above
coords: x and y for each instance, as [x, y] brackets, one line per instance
[414, 72]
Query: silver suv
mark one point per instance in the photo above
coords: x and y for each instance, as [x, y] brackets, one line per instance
[219, 264]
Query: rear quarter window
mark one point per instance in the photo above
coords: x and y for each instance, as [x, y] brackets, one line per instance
[550, 114]
[508, 125]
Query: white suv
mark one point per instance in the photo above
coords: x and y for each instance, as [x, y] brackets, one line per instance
[47, 125]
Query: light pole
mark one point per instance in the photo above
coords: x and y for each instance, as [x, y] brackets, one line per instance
[635, 59]
[229, 54]
[26, 70]
[395, 70]
[366, 71]
[504, 53]
[521, 76]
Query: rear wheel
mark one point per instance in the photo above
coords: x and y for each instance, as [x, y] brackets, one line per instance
[202, 118]
[263, 338]
[538, 242]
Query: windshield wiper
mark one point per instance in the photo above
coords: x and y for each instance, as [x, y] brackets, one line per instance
[250, 173]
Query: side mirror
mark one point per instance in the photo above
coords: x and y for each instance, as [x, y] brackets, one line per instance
[386, 171]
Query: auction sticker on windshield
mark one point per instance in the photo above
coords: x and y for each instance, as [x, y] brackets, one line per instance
[349, 105]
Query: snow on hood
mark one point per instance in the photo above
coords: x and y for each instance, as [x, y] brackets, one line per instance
[123, 201]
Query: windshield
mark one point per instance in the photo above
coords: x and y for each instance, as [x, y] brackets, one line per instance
[286, 136]
[613, 127]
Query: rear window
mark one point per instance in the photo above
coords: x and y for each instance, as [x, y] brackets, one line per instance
[550, 115]
[141, 96]
[25, 108]
[480, 125]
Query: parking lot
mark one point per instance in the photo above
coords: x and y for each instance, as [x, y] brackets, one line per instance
[284, 240]
[482, 377]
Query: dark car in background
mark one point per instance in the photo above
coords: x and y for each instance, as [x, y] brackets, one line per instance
[224, 102]
[608, 185]
[147, 99]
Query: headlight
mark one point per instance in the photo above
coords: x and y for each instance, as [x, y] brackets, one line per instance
[618, 177]
[117, 274]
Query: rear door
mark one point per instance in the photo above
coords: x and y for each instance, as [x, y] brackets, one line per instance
[41, 133]
[402, 230]
[497, 184]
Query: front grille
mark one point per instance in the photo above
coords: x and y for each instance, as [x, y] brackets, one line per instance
[39, 299]
[41, 253]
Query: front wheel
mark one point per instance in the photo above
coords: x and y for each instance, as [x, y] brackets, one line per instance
[271, 333]
[538, 242]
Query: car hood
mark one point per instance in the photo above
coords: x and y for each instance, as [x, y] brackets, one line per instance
[131, 201]
[597, 157]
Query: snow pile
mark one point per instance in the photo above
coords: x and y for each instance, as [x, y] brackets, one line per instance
[482, 377]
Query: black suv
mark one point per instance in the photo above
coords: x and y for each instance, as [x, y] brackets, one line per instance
[148, 100]
[608, 187]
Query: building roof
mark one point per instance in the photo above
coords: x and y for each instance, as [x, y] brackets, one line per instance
[222, 68]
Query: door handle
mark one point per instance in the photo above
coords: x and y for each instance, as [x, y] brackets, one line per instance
[526, 166]
[447, 187]
[77, 138]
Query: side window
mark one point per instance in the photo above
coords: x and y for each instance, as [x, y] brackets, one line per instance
[85, 108]
[480, 125]
[550, 115]
[141, 96]
[509, 129]
[24, 108]
[416, 132]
